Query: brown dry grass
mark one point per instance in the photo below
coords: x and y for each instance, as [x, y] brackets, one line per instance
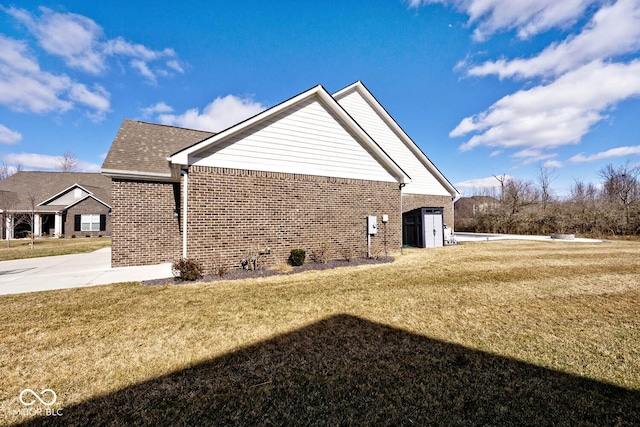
[526, 310]
[50, 247]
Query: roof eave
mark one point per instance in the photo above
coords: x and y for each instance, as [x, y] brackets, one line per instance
[88, 196]
[139, 175]
[181, 158]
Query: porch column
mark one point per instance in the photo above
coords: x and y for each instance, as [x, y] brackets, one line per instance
[58, 224]
[37, 225]
[8, 226]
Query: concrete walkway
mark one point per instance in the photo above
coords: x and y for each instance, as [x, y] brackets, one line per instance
[71, 271]
[483, 237]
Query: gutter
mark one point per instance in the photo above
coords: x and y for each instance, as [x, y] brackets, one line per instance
[185, 199]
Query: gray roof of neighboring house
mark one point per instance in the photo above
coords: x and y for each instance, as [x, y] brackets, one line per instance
[17, 189]
[143, 148]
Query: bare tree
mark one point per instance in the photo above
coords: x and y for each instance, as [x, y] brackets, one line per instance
[502, 179]
[5, 171]
[621, 186]
[519, 194]
[28, 218]
[546, 175]
[68, 162]
[609, 207]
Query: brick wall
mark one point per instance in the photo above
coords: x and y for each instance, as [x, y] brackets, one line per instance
[231, 212]
[144, 228]
[87, 206]
[414, 201]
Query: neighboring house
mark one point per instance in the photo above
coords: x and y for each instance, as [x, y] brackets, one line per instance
[306, 173]
[469, 210]
[470, 207]
[55, 204]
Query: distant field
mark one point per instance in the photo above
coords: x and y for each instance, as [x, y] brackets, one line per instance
[48, 247]
[506, 332]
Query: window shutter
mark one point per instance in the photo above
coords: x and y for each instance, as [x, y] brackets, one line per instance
[103, 222]
[76, 222]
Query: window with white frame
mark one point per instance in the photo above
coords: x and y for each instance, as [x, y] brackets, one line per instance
[90, 222]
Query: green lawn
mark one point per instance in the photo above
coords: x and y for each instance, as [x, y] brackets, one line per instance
[517, 333]
[21, 248]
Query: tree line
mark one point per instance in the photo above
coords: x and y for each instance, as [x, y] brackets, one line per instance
[610, 207]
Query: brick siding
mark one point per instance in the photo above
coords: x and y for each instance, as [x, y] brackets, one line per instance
[232, 212]
[87, 206]
[144, 228]
[414, 201]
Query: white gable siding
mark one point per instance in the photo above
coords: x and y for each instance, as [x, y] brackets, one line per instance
[422, 181]
[306, 139]
[69, 197]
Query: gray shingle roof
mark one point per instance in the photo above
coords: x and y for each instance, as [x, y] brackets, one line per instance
[144, 147]
[44, 185]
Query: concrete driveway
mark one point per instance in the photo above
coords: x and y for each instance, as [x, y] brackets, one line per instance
[71, 271]
[483, 237]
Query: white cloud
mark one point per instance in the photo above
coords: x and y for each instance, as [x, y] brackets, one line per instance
[175, 65]
[556, 114]
[25, 87]
[527, 17]
[81, 43]
[16, 54]
[120, 46]
[218, 115]
[552, 164]
[143, 69]
[159, 108]
[614, 152]
[70, 36]
[98, 99]
[35, 161]
[8, 136]
[533, 155]
[581, 83]
[613, 31]
[480, 185]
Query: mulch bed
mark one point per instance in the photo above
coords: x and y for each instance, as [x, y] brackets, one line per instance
[239, 274]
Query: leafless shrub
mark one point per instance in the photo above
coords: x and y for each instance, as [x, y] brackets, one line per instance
[347, 253]
[321, 254]
[218, 267]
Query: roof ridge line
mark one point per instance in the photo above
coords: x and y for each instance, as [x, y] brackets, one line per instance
[170, 126]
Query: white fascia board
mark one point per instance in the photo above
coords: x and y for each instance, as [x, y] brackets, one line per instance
[148, 176]
[182, 157]
[362, 90]
[88, 196]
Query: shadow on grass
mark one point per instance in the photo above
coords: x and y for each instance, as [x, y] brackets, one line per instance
[349, 371]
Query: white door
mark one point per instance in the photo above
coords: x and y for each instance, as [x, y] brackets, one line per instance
[433, 230]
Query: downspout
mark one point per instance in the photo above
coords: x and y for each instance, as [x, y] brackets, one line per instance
[400, 187]
[453, 207]
[185, 199]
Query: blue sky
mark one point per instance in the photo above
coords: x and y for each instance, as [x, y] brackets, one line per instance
[484, 87]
